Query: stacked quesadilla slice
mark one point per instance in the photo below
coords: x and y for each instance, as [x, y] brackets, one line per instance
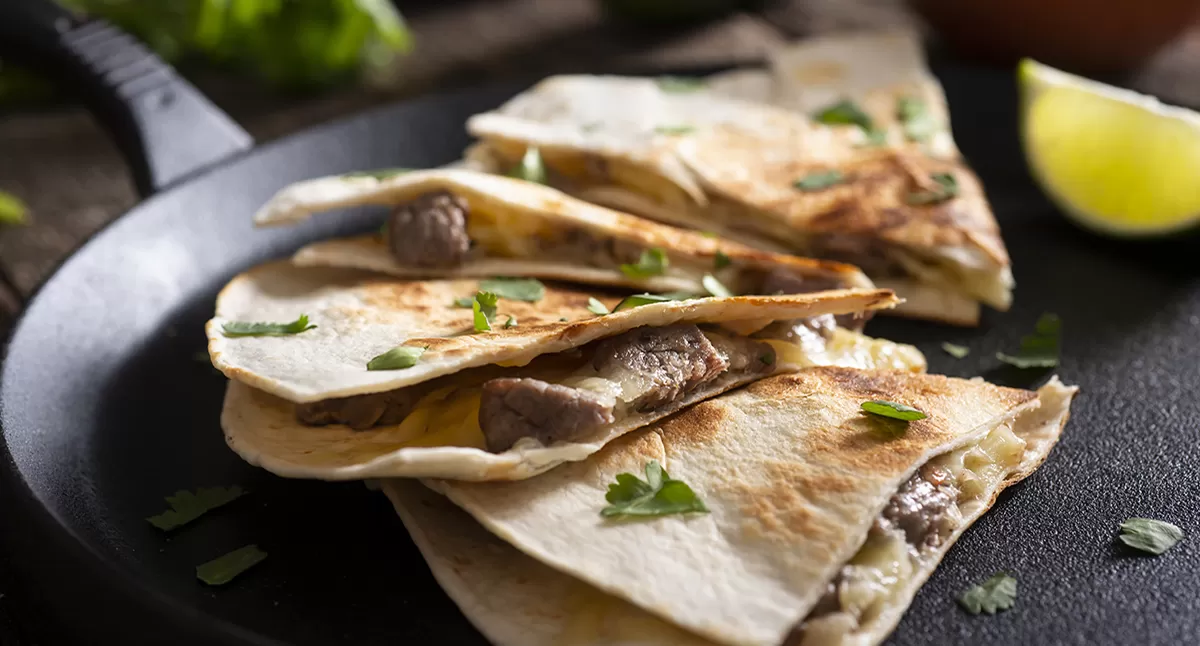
[854, 162]
[822, 521]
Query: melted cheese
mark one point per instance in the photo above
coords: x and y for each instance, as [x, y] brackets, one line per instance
[885, 564]
[847, 349]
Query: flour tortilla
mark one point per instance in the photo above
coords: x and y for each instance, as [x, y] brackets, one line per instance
[511, 598]
[745, 157]
[794, 474]
[512, 222]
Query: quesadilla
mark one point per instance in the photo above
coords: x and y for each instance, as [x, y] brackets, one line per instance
[861, 169]
[819, 521]
[469, 397]
[460, 223]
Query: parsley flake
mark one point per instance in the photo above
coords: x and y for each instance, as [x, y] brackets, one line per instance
[224, 569]
[398, 358]
[714, 287]
[239, 328]
[956, 351]
[657, 495]
[721, 261]
[842, 113]
[892, 410]
[1040, 349]
[945, 188]
[1150, 535]
[531, 168]
[819, 180]
[997, 593]
[187, 506]
[596, 307]
[653, 262]
[530, 290]
[919, 124]
[484, 309]
[638, 300]
[674, 130]
[681, 84]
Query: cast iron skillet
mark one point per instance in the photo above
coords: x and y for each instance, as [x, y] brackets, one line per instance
[106, 407]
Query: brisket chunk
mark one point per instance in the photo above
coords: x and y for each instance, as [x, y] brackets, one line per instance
[925, 508]
[430, 231]
[674, 360]
[361, 412]
[511, 409]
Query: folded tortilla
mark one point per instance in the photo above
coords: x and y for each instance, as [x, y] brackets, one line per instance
[517, 228]
[503, 404]
[823, 523]
[707, 160]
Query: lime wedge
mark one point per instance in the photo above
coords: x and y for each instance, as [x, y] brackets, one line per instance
[1115, 161]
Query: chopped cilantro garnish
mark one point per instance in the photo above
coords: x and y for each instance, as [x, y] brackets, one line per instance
[187, 506]
[239, 328]
[657, 495]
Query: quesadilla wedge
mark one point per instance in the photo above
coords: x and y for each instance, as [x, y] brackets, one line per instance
[821, 521]
[462, 223]
[877, 183]
[554, 382]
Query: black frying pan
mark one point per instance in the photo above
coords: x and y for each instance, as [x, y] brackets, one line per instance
[105, 407]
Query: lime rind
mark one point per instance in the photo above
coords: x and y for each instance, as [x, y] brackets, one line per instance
[1115, 161]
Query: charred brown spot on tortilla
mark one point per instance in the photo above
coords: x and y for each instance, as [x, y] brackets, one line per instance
[699, 425]
[781, 503]
[430, 231]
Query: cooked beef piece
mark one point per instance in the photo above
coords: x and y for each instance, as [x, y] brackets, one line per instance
[925, 508]
[673, 360]
[361, 412]
[799, 330]
[581, 246]
[786, 281]
[745, 356]
[430, 231]
[511, 409]
[869, 254]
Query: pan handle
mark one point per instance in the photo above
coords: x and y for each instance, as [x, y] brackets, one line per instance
[165, 127]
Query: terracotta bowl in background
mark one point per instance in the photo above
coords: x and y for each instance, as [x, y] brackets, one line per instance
[1083, 35]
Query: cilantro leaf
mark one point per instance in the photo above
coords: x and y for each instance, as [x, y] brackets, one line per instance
[714, 287]
[224, 569]
[681, 84]
[596, 307]
[484, 308]
[721, 261]
[946, 188]
[1150, 535]
[12, 209]
[379, 173]
[531, 168]
[956, 351]
[398, 358]
[1040, 349]
[658, 495]
[674, 130]
[844, 112]
[465, 301]
[997, 593]
[530, 290]
[239, 328]
[653, 262]
[511, 322]
[919, 124]
[638, 300]
[819, 180]
[187, 506]
[893, 410]
[710, 234]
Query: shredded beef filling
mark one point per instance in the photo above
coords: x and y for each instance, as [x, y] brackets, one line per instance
[361, 412]
[925, 509]
[430, 231]
[580, 246]
[674, 359]
[511, 409]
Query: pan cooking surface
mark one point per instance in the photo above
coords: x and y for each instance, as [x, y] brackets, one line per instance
[109, 403]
